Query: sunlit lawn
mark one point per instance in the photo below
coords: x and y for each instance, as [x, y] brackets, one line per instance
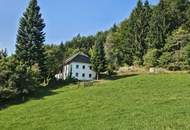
[138, 102]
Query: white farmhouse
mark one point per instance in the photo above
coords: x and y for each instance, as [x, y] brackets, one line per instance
[78, 66]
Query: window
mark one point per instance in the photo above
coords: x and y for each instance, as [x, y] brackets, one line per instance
[83, 66]
[77, 74]
[77, 66]
[83, 75]
[90, 75]
[90, 67]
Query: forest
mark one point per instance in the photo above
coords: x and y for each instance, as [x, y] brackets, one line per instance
[152, 36]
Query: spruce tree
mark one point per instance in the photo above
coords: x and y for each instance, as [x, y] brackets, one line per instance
[158, 27]
[3, 53]
[176, 13]
[188, 17]
[30, 38]
[138, 29]
[98, 55]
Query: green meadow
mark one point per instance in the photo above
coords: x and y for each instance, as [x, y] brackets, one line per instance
[134, 102]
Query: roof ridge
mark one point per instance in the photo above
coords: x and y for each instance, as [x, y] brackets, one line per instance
[75, 55]
[82, 53]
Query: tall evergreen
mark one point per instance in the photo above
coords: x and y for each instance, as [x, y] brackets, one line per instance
[188, 17]
[30, 38]
[138, 29]
[98, 55]
[158, 27]
[176, 10]
[112, 51]
[117, 49]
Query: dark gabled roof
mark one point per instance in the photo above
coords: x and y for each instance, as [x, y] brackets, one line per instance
[79, 57]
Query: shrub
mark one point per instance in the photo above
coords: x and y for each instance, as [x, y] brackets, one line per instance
[151, 58]
[187, 54]
[173, 67]
[16, 78]
[165, 59]
[137, 61]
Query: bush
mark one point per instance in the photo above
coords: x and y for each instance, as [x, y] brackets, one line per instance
[16, 78]
[173, 67]
[151, 58]
[165, 59]
[137, 61]
[187, 54]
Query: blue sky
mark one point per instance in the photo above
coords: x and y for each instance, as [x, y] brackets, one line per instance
[64, 18]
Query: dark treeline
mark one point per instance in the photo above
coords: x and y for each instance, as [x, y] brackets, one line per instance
[152, 36]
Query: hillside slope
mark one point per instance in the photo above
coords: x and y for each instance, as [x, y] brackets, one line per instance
[149, 102]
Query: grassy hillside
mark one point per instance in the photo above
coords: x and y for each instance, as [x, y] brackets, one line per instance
[139, 102]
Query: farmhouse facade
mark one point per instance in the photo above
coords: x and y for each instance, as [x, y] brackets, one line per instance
[79, 67]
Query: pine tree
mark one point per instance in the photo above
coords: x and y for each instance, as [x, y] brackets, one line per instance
[30, 38]
[158, 27]
[112, 52]
[3, 53]
[138, 29]
[188, 17]
[98, 55]
[176, 13]
[118, 51]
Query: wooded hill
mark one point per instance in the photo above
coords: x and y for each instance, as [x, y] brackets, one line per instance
[153, 35]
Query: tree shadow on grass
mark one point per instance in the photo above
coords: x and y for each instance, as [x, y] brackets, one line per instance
[42, 92]
[39, 94]
[117, 77]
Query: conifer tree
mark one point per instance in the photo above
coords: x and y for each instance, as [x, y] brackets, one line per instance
[30, 38]
[158, 27]
[176, 13]
[188, 17]
[98, 55]
[3, 53]
[138, 29]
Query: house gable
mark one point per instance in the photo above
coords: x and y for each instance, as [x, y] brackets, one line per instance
[78, 66]
[79, 57]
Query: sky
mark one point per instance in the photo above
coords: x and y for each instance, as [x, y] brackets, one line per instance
[64, 18]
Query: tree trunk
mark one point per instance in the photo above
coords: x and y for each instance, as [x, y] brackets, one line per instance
[97, 76]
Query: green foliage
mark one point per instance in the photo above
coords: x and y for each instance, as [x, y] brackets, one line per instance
[164, 27]
[111, 53]
[175, 56]
[186, 53]
[138, 28]
[98, 55]
[30, 38]
[178, 40]
[124, 48]
[137, 61]
[176, 13]
[158, 27]
[54, 60]
[78, 44]
[166, 17]
[187, 24]
[3, 53]
[165, 59]
[151, 58]
[16, 78]
[116, 49]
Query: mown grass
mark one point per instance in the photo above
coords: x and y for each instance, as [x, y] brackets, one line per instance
[138, 102]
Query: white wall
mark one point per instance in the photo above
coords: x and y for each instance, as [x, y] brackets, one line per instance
[67, 70]
[87, 71]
